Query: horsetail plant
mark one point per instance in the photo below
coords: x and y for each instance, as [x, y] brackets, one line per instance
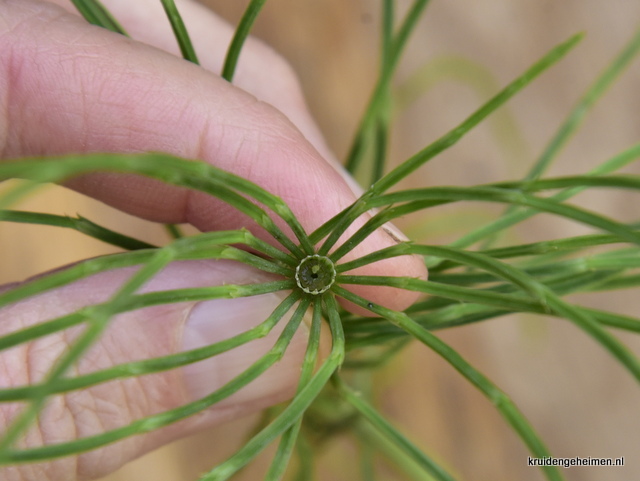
[465, 286]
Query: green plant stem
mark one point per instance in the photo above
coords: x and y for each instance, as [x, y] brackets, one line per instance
[380, 147]
[335, 227]
[381, 127]
[499, 399]
[456, 134]
[625, 181]
[296, 407]
[386, 29]
[390, 433]
[159, 420]
[482, 82]
[373, 331]
[288, 439]
[392, 50]
[180, 31]
[95, 13]
[416, 199]
[573, 122]
[569, 244]
[538, 291]
[203, 246]
[173, 231]
[305, 456]
[617, 283]
[80, 224]
[149, 366]
[99, 320]
[241, 34]
[548, 272]
[519, 215]
[228, 291]
[173, 170]
[586, 102]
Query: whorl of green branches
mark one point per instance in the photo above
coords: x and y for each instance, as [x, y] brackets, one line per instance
[465, 286]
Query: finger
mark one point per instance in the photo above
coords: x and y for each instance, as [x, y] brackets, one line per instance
[69, 86]
[144, 334]
[260, 71]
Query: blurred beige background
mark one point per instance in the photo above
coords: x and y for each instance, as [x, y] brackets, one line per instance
[581, 401]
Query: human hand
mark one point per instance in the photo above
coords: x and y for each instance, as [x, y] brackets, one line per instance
[71, 87]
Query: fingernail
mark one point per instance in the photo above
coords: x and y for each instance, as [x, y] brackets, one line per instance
[390, 229]
[395, 233]
[216, 320]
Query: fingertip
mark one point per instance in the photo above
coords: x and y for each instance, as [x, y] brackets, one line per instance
[406, 266]
[394, 298]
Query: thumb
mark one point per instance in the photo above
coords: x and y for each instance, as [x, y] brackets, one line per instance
[145, 333]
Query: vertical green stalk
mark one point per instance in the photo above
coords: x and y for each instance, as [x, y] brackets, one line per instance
[386, 36]
[391, 56]
[288, 439]
[380, 147]
[366, 454]
[180, 31]
[241, 34]
[173, 231]
[381, 130]
[306, 458]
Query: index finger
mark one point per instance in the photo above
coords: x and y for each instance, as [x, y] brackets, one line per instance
[72, 87]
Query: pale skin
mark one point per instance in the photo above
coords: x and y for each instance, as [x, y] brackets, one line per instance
[68, 86]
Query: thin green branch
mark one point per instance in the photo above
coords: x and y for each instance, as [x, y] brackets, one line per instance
[95, 13]
[98, 318]
[241, 34]
[508, 302]
[571, 124]
[391, 51]
[157, 421]
[158, 364]
[586, 102]
[566, 130]
[173, 170]
[519, 215]
[174, 231]
[346, 218]
[296, 407]
[390, 433]
[380, 147]
[498, 398]
[288, 439]
[180, 31]
[542, 294]
[202, 246]
[416, 199]
[474, 119]
[386, 29]
[80, 224]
